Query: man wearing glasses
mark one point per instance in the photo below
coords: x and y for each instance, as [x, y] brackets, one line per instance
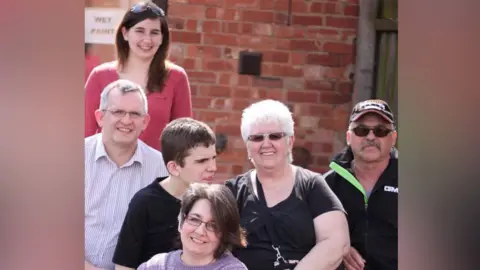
[364, 176]
[117, 165]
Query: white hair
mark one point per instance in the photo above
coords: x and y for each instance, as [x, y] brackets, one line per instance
[266, 112]
[125, 86]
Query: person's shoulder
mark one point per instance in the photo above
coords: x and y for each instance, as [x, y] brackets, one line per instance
[174, 69]
[156, 262]
[306, 175]
[230, 262]
[91, 141]
[144, 195]
[106, 69]
[239, 180]
[150, 152]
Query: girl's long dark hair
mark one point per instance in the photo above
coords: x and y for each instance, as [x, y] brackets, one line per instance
[158, 70]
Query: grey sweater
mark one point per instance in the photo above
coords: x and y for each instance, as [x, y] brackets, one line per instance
[172, 261]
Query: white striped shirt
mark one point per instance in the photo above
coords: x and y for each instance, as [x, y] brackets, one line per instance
[108, 191]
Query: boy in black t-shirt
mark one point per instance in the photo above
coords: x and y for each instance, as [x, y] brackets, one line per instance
[151, 223]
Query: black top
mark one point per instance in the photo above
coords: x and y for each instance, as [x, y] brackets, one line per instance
[372, 220]
[150, 226]
[292, 219]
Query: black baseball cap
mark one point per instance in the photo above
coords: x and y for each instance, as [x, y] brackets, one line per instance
[377, 106]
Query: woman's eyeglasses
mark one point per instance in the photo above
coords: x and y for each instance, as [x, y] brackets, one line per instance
[195, 221]
[274, 136]
[378, 131]
[138, 8]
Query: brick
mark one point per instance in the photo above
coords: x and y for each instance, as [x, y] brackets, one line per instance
[307, 122]
[257, 16]
[177, 50]
[211, 3]
[307, 20]
[269, 93]
[329, 97]
[235, 79]
[322, 160]
[212, 116]
[222, 168]
[232, 27]
[219, 39]
[319, 85]
[322, 147]
[304, 45]
[314, 72]
[215, 91]
[194, 89]
[201, 51]
[320, 110]
[318, 7]
[281, 18]
[349, 36]
[218, 65]
[256, 43]
[334, 73]
[261, 29]
[202, 76]
[191, 25]
[233, 155]
[321, 34]
[185, 37]
[194, 11]
[302, 96]
[283, 44]
[276, 56]
[237, 169]
[270, 83]
[286, 71]
[344, 87]
[211, 26]
[294, 83]
[176, 23]
[346, 59]
[188, 63]
[297, 58]
[283, 31]
[323, 59]
[242, 4]
[351, 10]
[221, 14]
[297, 5]
[334, 47]
[240, 104]
[239, 92]
[201, 102]
[341, 22]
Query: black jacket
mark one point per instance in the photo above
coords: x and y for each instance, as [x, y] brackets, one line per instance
[372, 220]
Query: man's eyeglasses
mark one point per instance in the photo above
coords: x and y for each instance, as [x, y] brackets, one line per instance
[138, 8]
[274, 136]
[195, 221]
[378, 131]
[122, 113]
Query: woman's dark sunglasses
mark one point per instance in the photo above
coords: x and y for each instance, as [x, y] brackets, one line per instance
[274, 136]
[138, 8]
[378, 131]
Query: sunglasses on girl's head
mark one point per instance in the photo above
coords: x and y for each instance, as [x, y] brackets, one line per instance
[138, 8]
[274, 136]
[378, 131]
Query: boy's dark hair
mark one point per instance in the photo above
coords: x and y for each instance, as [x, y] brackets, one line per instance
[183, 134]
[224, 211]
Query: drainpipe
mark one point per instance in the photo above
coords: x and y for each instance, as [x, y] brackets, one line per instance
[365, 55]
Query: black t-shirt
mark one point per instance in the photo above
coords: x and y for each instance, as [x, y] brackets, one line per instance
[150, 226]
[292, 218]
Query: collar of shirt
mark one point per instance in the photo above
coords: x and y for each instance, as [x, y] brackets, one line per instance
[100, 152]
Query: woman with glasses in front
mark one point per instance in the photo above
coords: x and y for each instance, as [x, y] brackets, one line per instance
[292, 218]
[209, 229]
[142, 43]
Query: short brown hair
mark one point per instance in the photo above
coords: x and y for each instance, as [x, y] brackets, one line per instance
[158, 70]
[224, 211]
[183, 134]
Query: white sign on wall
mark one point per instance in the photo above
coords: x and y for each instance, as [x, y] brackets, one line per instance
[101, 24]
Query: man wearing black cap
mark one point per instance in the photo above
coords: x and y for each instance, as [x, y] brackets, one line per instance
[364, 176]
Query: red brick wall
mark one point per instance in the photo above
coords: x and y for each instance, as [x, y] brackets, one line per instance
[312, 60]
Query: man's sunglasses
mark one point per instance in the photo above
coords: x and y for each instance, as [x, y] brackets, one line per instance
[138, 8]
[378, 131]
[274, 136]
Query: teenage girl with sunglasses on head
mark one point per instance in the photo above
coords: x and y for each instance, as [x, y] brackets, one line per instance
[142, 43]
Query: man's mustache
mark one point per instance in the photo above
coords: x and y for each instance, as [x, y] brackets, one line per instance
[371, 143]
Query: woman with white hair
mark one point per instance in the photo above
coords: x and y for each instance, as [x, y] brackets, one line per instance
[292, 218]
